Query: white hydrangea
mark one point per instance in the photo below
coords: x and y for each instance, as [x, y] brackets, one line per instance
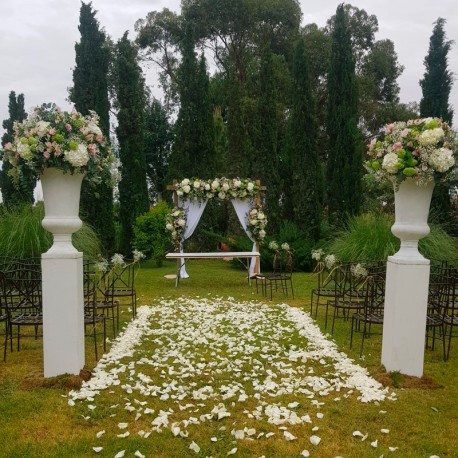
[94, 128]
[317, 254]
[285, 246]
[431, 136]
[390, 163]
[329, 261]
[273, 245]
[78, 157]
[23, 149]
[41, 128]
[441, 159]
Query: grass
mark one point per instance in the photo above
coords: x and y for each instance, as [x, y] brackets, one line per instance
[37, 422]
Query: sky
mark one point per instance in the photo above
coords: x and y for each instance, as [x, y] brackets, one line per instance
[37, 39]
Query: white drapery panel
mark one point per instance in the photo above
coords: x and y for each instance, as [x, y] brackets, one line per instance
[242, 207]
[194, 210]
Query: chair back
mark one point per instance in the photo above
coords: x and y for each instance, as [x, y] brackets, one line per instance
[375, 295]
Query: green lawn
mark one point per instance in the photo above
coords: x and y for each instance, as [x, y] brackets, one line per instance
[36, 420]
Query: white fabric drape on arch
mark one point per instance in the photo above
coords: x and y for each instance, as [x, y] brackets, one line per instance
[242, 207]
[194, 210]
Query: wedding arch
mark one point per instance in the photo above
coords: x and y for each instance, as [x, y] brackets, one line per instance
[190, 197]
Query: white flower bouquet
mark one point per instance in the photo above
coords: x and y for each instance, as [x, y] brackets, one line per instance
[420, 148]
[257, 223]
[176, 225]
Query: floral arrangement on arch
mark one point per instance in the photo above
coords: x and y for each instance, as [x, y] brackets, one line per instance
[220, 188]
[257, 223]
[50, 137]
[419, 148]
[176, 225]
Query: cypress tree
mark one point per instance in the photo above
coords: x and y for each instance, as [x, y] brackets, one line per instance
[304, 194]
[193, 149]
[344, 165]
[130, 100]
[267, 164]
[11, 195]
[90, 92]
[438, 79]
[436, 86]
[158, 140]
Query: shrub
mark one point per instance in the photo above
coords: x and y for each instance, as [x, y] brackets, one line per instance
[23, 236]
[368, 237]
[149, 233]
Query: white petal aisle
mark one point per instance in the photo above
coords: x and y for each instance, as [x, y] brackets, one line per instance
[218, 360]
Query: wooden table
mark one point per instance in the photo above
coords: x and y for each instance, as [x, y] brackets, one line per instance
[215, 255]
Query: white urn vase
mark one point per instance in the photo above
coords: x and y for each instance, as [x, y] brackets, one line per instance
[412, 204]
[61, 193]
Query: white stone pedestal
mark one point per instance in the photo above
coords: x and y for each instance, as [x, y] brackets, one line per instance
[63, 313]
[404, 324]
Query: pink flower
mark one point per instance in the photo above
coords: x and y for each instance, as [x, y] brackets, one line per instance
[389, 128]
[99, 138]
[415, 153]
[397, 146]
[52, 131]
[7, 145]
[68, 127]
[47, 154]
[90, 137]
[92, 149]
[57, 150]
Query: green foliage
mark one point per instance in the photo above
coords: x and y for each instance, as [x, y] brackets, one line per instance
[149, 233]
[130, 101]
[22, 235]
[304, 194]
[368, 238]
[344, 167]
[158, 140]
[193, 152]
[90, 92]
[13, 196]
[438, 79]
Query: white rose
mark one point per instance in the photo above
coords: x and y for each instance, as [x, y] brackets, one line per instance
[181, 222]
[186, 189]
[261, 215]
[196, 184]
[169, 226]
[262, 233]
[207, 187]
[185, 182]
[176, 213]
[215, 184]
[179, 193]
[225, 187]
[390, 163]
[237, 183]
[253, 212]
[253, 222]
[250, 186]
[222, 195]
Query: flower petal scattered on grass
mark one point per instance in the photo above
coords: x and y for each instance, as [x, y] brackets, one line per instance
[97, 449]
[194, 447]
[315, 440]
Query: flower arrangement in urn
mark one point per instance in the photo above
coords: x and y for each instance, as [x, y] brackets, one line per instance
[50, 137]
[421, 148]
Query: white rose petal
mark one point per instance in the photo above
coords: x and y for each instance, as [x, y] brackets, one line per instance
[374, 444]
[384, 431]
[289, 436]
[97, 449]
[120, 454]
[139, 455]
[305, 453]
[233, 451]
[100, 434]
[194, 447]
[315, 440]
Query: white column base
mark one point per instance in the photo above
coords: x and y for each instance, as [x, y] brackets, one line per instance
[404, 325]
[63, 313]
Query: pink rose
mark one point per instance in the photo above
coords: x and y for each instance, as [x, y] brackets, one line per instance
[99, 138]
[389, 128]
[68, 127]
[52, 131]
[415, 153]
[397, 146]
[57, 150]
[7, 145]
[47, 154]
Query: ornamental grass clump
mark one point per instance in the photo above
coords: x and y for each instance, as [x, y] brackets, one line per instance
[50, 137]
[423, 149]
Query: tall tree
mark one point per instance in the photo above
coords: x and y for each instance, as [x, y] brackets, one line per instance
[436, 86]
[158, 141]
[266, 164]
[11, 195]
[344, 165]
[304, 193]
[193, 149]
[438, 79]
[130, 102]
[90, 92]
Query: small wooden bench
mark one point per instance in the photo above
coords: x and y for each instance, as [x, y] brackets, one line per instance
[215, 255]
